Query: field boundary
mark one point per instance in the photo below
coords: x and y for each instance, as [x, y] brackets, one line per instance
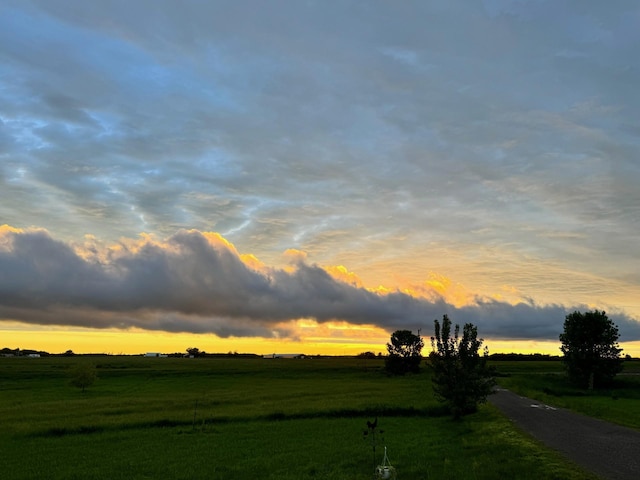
[369, 412]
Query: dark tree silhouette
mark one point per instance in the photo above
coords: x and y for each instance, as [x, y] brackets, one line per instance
[195, 352]
[461, 378]
[366, 355]
[404, 353]
[590, 348]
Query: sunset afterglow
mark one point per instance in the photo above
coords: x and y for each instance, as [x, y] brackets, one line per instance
[311, 178]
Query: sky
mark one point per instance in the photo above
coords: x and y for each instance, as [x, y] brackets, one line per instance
[310, 176]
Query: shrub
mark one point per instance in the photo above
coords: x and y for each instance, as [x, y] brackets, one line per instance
[83, 375]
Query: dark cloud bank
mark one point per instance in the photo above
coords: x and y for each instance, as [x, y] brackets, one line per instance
[191, 284]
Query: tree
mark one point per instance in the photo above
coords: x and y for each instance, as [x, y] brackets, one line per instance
[194, 352]
[590, 348]
[83, 375]
[461, 378]
[366, 355]
[404, 353]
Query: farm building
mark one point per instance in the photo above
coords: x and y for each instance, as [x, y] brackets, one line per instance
[285, 355]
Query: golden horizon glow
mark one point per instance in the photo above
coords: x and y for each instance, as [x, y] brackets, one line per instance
[56, 339]
[321, 342]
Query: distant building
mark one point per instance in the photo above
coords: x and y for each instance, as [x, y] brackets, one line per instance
[285, 355]
[154, 354]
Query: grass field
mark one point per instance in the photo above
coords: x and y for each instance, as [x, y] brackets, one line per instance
[237, 418]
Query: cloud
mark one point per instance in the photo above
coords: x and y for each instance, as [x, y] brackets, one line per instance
[198, 282]
[494, 141]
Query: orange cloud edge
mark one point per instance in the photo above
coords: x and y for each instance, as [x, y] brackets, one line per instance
[309, 337]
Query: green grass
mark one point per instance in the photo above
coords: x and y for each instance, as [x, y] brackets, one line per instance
[546, 382]
[228, 418]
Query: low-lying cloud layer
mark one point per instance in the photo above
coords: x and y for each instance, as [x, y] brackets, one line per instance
[198, 282]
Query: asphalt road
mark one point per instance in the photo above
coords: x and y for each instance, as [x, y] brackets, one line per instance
[608, 450]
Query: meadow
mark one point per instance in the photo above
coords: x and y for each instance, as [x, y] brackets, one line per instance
[251, 418]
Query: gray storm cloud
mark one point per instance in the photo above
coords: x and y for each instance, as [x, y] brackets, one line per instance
[189, 283]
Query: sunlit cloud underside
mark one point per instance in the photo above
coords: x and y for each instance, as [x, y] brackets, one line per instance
[198, 283]
[366, 166]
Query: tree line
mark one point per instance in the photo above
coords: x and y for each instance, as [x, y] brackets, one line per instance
[462, 378]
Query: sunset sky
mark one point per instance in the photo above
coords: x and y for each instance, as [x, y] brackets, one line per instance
[309, 176]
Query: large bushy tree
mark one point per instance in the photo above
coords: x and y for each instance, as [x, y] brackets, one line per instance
[590, 348]
[461, 377]
[405, 353]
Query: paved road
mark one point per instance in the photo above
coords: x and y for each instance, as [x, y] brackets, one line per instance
[608, 450]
